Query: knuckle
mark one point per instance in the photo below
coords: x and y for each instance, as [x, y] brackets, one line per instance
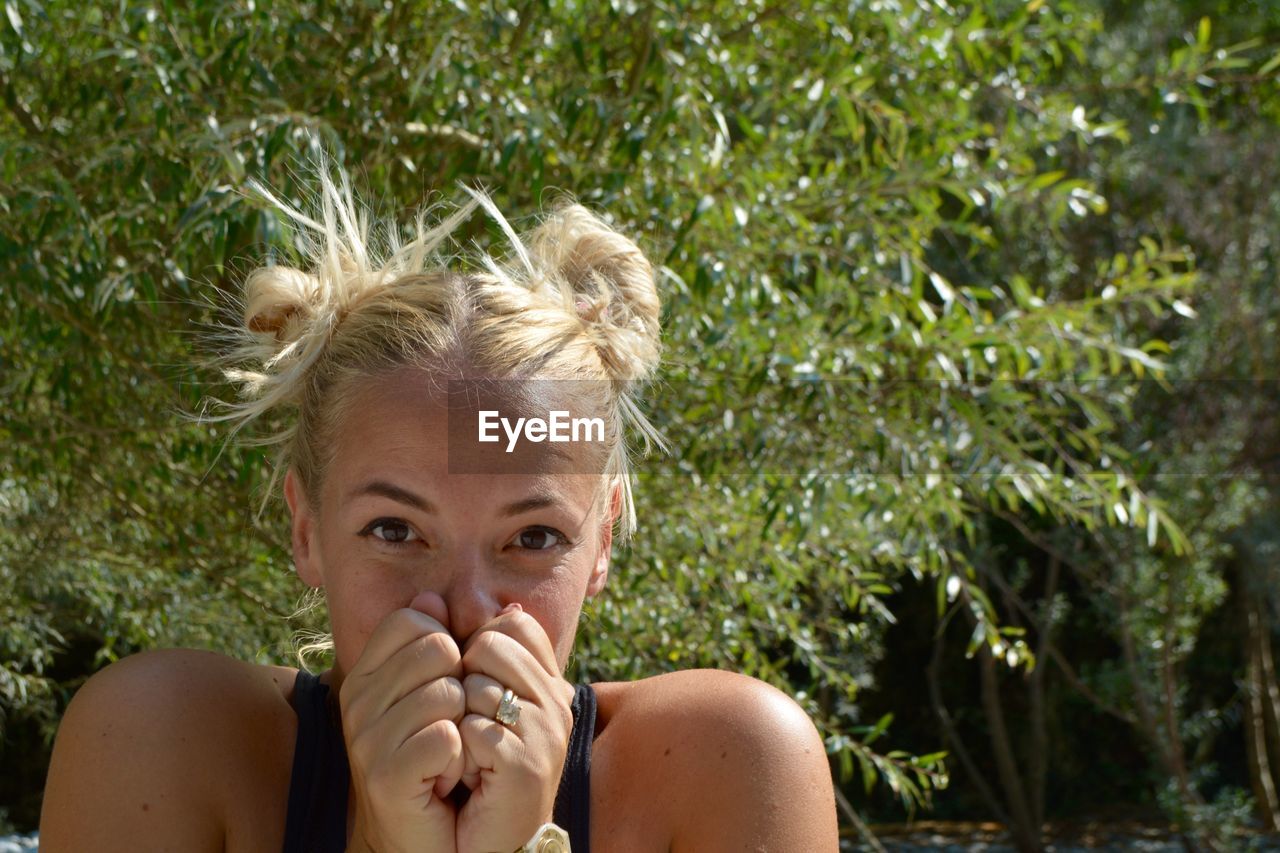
[442, 737]
[398, 620]
[451, 688]
[423, 697]
[436, 645]
[528, 631]
[454, 692]
[471, 725]
[481, 645]
[435, 731]
[566, 723]
[452, 737]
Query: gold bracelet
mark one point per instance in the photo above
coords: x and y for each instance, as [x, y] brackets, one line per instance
[548, 839]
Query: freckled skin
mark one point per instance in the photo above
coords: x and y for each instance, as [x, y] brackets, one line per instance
[464, 550]
[442, 532]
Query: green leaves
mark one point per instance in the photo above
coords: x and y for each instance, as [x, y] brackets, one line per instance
[888, 252]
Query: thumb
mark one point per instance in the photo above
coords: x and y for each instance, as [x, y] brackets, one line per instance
[432, 604]
[448, 780]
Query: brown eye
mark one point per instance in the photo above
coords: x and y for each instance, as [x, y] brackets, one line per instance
[540, 538]
[393, 531]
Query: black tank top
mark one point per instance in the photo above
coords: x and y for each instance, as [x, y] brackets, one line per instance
[317, 819]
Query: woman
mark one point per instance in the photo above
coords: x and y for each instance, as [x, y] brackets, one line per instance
[454, 592]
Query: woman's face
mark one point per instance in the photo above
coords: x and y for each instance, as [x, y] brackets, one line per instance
[393, 523]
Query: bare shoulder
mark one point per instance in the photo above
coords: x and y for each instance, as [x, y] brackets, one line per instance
[151, 744]
[695, 693]
[740, 764]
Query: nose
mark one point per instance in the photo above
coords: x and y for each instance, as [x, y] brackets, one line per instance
[471, 597]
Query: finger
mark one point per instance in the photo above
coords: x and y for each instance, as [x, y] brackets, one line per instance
[403, 727]
[442, 699]
[422, 661]
[485, 740]
[526, 631]
[470, 767]
[491, 746]
[510, 664]
[431, 758]
[432, 604]
[482, 694]
[447, 780]
[394, 632]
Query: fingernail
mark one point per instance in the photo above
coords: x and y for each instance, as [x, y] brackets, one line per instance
[513, 607]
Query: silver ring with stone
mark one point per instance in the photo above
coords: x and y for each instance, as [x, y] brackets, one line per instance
[508, 709]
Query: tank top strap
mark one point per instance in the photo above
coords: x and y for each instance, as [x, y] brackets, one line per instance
[317, 817]
[573, 799]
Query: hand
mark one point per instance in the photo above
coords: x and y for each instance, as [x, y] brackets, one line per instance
[513, 771]
[401, 705]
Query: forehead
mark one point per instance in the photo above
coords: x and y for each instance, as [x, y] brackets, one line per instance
[414, 424]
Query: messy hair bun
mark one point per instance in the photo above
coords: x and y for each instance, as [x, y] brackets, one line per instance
[613, 287]
[280, 301]
[573, 298]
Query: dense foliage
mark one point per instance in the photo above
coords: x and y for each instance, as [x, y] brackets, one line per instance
[916, 259]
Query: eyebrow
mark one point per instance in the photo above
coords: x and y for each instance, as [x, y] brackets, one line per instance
[389, 490]
[539, 501]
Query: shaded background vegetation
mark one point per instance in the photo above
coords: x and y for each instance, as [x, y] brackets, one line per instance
[970, 314]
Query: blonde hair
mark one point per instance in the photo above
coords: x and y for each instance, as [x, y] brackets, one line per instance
[574, 299]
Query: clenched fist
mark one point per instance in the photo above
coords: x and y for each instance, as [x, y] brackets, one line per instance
[419, 714]
[401, 707]
[513, 771]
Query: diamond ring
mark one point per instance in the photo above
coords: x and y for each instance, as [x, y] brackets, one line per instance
[508, 709]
